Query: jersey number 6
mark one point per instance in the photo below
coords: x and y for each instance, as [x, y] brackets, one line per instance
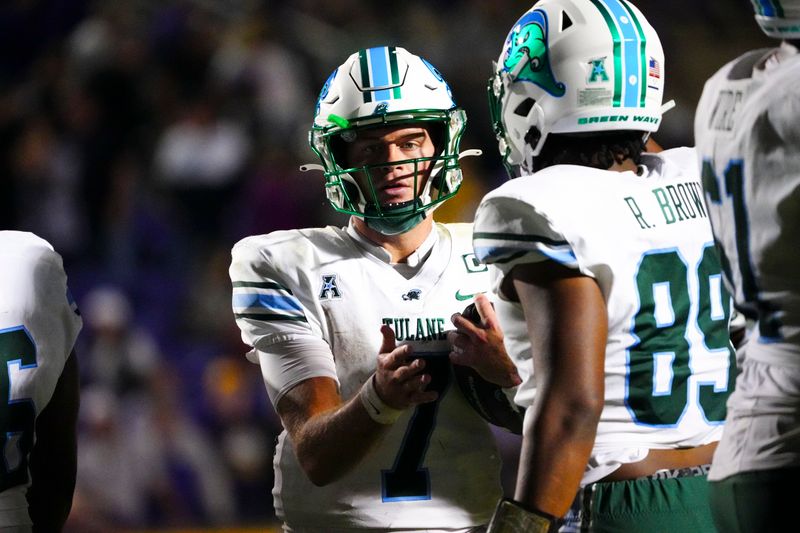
[17, 415]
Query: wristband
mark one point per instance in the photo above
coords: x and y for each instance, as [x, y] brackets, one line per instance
[512, 517]
[376, 408]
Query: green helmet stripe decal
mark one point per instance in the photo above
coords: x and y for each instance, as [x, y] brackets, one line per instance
[642, 55]
[364, 64]
[769, 8]
[395, 72]
[627, 36]
[380, 74]
[617, 100]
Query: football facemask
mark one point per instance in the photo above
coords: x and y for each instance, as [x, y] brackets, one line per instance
[574, 66]
[380, 87]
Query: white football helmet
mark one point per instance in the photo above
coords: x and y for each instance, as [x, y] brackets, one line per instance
[376, 87]
[778, 18]
[574, 66]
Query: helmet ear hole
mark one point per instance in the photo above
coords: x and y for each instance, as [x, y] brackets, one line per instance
[524, 107]
[533, 136]
[566, 22]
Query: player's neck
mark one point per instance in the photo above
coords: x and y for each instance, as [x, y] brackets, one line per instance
[625, 166]
[399, 246]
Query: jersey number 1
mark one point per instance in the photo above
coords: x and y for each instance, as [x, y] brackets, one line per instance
[769, 325]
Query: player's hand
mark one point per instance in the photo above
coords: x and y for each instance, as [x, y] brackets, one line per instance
[480, 345]
[400, 380]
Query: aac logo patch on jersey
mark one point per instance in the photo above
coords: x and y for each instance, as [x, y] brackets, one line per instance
[330, 289]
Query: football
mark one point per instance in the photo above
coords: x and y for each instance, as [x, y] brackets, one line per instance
[487, 399]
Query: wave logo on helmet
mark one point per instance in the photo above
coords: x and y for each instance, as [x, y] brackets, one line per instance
[324, 92]
[528, 42]
[438, 76]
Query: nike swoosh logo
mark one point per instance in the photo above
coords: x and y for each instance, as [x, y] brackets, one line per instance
[377, 411]
[463, 297]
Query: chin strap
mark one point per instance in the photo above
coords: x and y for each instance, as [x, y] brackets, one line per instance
[472, 152]
[666, 106]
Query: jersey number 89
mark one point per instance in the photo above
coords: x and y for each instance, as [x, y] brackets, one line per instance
[661, 328]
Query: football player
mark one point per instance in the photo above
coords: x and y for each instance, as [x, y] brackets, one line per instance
[349, 325]
[747, 130]
[607, 280]
[38, 385]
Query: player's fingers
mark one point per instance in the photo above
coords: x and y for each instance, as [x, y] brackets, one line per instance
[459, 357]
[417, 389]
[389, 340]
[396, 359]
[464, 325]
[486, 311]
[405, 372]
[451, 336]
[461, 352]
[458, 338]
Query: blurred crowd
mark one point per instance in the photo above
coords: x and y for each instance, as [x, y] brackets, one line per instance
[142, 138]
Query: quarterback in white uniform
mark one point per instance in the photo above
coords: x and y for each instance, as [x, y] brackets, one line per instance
[377, 437]
[747, 130]
[39, 385]
[608, 283]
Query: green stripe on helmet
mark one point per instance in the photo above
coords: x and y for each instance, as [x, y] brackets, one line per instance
[612, 27]
[364, 64]
[395, 73]
[642, 53]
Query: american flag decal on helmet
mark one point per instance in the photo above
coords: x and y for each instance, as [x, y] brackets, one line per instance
[653, 68]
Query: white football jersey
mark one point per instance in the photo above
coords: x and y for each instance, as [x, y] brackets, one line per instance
[38, 327]
[647, 242]
[437, 466]
[747, 130]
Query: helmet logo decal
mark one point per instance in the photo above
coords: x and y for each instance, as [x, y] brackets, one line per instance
[768, 8]
[324, 92]
[598, 72]
[438, 76]
[528, 42]
[381, 108]
[380, 75]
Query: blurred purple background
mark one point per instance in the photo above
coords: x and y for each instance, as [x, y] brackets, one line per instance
[143, 138]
